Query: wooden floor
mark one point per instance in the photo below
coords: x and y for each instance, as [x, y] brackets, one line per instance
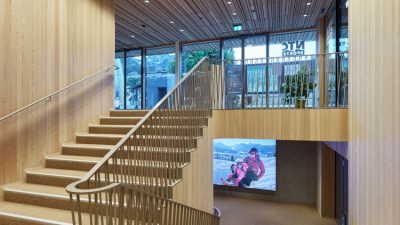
[243, 211]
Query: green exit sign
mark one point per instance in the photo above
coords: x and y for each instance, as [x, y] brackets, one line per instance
[237, 27]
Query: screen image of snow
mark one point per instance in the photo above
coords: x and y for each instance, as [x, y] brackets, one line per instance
[245, 163]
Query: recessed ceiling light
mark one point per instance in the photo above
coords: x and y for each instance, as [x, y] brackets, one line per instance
[132, 36]
[181, 30]
[146, 1]
[171, 21]
[234, 14]
[308, 3]
[305, 15]
[229, 2]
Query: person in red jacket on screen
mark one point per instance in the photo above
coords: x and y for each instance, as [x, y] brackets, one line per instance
[255, 170]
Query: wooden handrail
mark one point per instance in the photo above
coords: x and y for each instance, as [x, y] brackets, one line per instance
[73, 188]
[114, 178]
[55, 93]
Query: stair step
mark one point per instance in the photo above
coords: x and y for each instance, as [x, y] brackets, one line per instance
[162, 130]
[143, 167]
[77, 149]
[102, 139]
[173, 131]
[62, 177]
[179, 121]
[39, 195]
[42, 195]
[108, 120]
[24, 214]
[198, 113]
[109, 129]
[53, 177]
[142, 113]
[162, 154]
[164, 121]
[128, 113]
[113, 139]
[70, 162]
[69, 159]
[72, 148]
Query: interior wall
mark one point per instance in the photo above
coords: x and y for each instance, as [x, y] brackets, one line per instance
[296, 169]
[196, 187]
[374, 109]
[282, 124]
[46, 45]
[325, 180]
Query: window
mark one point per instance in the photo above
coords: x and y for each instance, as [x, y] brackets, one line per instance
[160, 74]
[232, 54]
[232, 49]
[291, 54]
[293, 44]
[119, 81]
[193, 53]
[134, 80]
[255, 47]
[255, 52]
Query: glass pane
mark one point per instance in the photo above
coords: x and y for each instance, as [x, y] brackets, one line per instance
[133, 80]
[293, 44]
[160, 74]
[255, 52]
[343, 47]
[119, 81]
[231, 51]
[292, 56]
[255, 47]
[193, 53]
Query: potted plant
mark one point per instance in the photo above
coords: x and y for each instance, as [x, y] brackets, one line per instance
[296, 88]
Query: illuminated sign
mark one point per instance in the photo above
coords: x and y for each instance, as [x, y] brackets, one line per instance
[237, 27]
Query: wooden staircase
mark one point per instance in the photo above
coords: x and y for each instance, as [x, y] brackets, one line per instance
[42, 198]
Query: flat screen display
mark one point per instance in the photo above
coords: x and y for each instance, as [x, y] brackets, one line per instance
[245, 163]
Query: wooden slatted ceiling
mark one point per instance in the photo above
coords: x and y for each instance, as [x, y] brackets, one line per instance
[208, 19]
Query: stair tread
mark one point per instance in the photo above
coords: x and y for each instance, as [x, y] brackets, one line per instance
[57, 172]
[86, 134]
[111, 125]
[119, 117]
[36, 213]
[71, 173]
[109, 147]
[130, 110]
[37, 189]
[73, 158]
[91, 159]
[90, 146]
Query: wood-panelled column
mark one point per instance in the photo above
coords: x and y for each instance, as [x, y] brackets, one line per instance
[374, 110]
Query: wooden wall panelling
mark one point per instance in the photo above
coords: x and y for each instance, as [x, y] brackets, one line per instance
[325, 181]
[46, 45]
[282, 124]
[374, 109]
[196, 187]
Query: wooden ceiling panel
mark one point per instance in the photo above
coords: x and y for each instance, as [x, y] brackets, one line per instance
[150, 25]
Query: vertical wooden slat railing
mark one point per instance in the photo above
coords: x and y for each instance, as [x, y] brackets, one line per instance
[127, 186]
[282, 82]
